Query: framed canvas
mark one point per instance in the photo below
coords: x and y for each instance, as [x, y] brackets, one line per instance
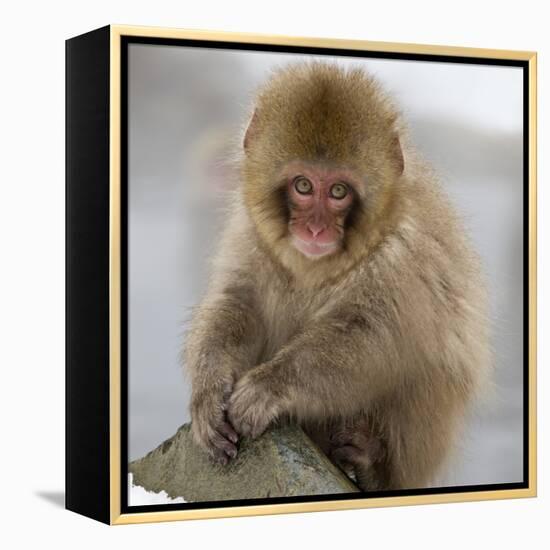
[334, 240]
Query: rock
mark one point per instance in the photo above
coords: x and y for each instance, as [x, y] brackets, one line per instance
[282, 462]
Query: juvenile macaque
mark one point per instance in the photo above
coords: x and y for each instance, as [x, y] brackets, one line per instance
[344, 296]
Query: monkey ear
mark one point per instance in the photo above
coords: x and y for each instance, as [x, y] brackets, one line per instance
[251, 131]
[397, 153]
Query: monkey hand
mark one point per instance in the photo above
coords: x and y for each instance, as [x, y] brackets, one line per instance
[253, 404]
[210, 427]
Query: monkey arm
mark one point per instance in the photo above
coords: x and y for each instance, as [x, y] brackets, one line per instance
[345, 360]
[224, 339]
[224, 326]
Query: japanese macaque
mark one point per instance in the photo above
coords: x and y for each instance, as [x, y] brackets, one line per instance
[345, 296]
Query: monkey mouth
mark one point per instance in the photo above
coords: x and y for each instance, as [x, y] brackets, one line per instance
[312, 249]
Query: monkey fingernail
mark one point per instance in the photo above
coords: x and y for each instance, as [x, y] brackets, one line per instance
[232, 453]
[227, 431]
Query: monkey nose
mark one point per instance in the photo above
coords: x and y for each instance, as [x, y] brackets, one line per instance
[315, 228]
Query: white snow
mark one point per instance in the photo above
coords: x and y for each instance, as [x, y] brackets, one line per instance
[138, 496]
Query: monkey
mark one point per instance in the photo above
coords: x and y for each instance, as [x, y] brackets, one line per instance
[346, 296]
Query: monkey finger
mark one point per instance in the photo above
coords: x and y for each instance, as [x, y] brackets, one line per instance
[244, 428]
[343, 437]
[218, 456]
[349, 437]
[220, 443]
[243, 424]
[228, 432]
[347, 454]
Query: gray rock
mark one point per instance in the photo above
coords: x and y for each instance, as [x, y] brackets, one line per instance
[282, 462]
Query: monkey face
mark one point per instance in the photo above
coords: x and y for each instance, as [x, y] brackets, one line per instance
[319, 200]
[321, 158]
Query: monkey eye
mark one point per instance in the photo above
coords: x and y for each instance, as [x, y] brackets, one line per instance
[303, 185]
[338, 191]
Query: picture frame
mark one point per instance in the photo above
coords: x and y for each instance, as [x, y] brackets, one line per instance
[97, 271]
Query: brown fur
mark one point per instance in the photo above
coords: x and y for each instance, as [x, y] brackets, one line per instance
[377, 349]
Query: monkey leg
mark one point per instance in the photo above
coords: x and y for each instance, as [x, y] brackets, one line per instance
[419, 431]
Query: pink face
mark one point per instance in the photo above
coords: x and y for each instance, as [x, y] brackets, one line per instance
[320, 199]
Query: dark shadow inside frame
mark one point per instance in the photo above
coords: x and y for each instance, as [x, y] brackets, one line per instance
[125, 42]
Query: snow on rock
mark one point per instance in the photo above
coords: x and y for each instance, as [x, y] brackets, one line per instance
[138, 496]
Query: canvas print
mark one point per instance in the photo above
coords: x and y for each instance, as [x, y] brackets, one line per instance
[324, 292]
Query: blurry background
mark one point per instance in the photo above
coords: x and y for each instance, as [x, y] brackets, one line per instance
[186, 110]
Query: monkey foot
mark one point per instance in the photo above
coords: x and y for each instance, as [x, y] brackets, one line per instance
[352, 447]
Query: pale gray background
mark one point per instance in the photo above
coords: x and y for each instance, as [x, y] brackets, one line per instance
[185, 106]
